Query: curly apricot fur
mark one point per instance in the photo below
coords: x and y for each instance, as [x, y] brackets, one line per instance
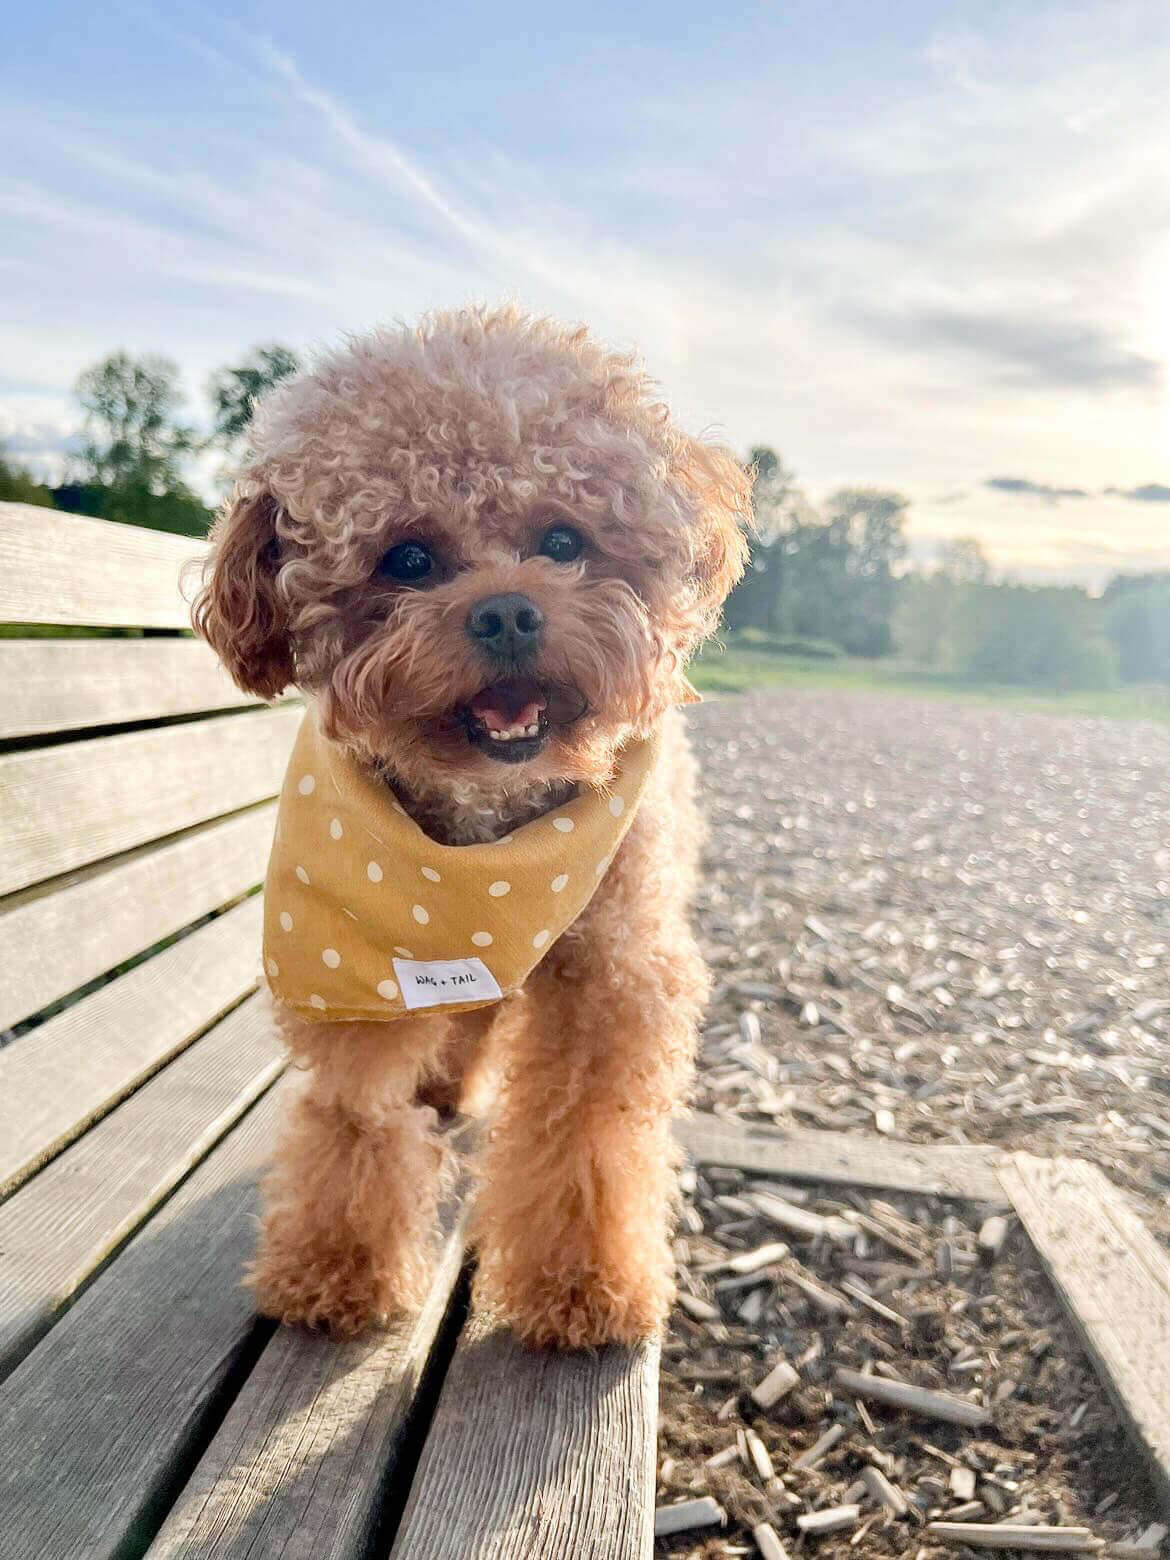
[473, 433]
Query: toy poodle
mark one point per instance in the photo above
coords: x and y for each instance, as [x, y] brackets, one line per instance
[484, 553]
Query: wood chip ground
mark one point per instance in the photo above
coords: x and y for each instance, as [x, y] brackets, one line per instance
[938, 924]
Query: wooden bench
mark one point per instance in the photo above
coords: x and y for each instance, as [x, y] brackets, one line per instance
[144, 1408]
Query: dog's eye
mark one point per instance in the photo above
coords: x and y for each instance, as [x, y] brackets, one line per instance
[561, 543]
[408, 562]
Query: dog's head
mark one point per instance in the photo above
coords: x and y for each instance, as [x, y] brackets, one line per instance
[480, 544]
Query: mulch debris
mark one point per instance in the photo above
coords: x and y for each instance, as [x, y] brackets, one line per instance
[943, 924]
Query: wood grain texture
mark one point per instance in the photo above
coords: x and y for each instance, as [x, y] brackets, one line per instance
[56, 1231]
[59, 1077]
[61, 807]
[298, 1468]
[105, 1409]
[536, 1454]
[56, 937]
[64, 684]
[943, 1169]
[1114, 1280]
[62, 568]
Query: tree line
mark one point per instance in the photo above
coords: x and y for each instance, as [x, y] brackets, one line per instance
[826, 580]
[135, 444]
[830, 580]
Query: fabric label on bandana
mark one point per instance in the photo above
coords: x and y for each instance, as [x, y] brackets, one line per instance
[426, 983]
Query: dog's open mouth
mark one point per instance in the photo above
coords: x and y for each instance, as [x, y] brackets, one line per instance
[508, 719]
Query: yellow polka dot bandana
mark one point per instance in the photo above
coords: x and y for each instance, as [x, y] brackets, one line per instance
[367, 917]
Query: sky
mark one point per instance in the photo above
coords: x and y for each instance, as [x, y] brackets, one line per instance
[915, 245]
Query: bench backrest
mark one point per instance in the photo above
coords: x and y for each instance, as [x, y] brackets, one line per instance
[136, 811]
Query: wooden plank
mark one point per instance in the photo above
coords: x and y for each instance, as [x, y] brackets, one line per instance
[59, 1077]
[1114, 1280]
[941, 1169]
[108, 1410]
[55, 937]
[61, 807]
[300, 1465]
[62, 568]
[60, 1228]
[536, 1453]
[66, 684]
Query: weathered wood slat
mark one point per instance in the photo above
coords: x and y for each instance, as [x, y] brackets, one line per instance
[61, 807]
[536, 1453]
[60, 568]
[1114, 1280]
[944, 1169]
[55, 938]
[56, 1231]
[76, 1065]
[65, 684]
[108, 1407]
[298, 1468]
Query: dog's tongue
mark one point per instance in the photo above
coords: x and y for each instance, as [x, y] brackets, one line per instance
[517, 701]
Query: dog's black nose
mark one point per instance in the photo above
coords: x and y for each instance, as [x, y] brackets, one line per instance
[509, 626]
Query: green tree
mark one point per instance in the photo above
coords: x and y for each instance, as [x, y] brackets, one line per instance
[926, 603]
[19, 486]
[758, 600]
[923, 618]
[962, 559]
[867, 527]
[1137, 620]
[234, 391]
[1052, 636]
[132, 436]
[131, 461]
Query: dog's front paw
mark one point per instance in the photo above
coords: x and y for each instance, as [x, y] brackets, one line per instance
[341, 1290]
[585, 1310]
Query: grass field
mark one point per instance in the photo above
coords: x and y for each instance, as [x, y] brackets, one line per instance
[730, 669]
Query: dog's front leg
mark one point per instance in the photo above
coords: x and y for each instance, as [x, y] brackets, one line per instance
[351, 1200]
[577, 1184]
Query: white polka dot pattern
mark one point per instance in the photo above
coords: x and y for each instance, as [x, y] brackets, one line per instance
[351, 870]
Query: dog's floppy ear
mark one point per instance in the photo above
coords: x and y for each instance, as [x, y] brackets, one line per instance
[238, 610]
[720, 491]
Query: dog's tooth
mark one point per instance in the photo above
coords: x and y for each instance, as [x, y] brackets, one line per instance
[530, 731]
[496, 736]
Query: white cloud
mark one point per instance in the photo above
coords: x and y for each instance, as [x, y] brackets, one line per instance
[961, 274]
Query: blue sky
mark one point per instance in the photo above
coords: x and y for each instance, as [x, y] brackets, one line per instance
[915, 245]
